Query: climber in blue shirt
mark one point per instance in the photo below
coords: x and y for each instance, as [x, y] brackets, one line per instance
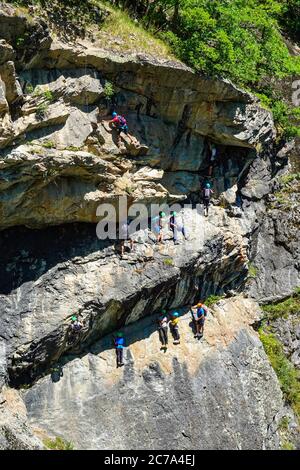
[119, 342]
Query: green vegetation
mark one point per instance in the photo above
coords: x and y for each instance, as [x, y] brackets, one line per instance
[109, 90]
[48, 95]
[169, 262]
[284, 309]
[48, 144]
[287, 374]
[289, 178]
[58, 444]
[124, 34]
[237, 39]
[287, 445]
[29, 89]
[213, 299]
[41, 111]
[72, 148]
[252, 271]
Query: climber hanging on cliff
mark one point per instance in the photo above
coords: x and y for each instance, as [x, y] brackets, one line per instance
[174, 327]
[163, 329]
[206, 195]
[120, 124]
[75, 329]
[212, 157]
[119, 342]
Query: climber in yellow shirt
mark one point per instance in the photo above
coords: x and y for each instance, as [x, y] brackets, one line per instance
[174, 327]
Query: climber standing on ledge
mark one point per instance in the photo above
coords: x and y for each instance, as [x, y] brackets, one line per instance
[120, 124]
[174, 327]
[176, 227]
[119, 342]
[199, 317]
[206, 194]
[163, 329]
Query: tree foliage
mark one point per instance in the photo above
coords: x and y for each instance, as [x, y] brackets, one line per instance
[239, 39]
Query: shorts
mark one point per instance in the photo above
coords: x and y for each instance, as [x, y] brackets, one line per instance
[201, 321]
[206, 201]
[123, 129]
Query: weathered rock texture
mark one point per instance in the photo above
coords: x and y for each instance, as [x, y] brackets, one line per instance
[221, 388]
[59, 160]
[70, 271]
[15, 433]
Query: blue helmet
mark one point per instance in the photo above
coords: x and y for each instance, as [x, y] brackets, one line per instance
[207, 185]
[175, 314]
[114, 114]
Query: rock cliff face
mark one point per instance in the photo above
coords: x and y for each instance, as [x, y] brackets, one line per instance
[221, 388]
[59, 160]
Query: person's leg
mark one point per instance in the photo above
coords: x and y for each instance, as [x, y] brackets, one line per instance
[177, 335]
[121, 356]
[125, 130]
[131, 244]
[165, 331]
[161, 336]
[175, 234]
[201, 327]
[118, 136]
[122, 247]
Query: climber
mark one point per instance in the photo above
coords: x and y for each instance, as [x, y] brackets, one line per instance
[125, 235]
[120, 123]
[174, 327]
[206, 192]
[159, 223]
[199, 317]
[175, 226]
[212, 157]
[75, 328]
[163, 329]
[119, 342]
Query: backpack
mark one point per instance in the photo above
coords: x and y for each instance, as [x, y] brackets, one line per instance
[206, 192]
[122, 121]
[200, 312]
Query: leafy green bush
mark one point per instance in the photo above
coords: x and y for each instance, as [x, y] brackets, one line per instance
[109, 90]
[58, 444]
[213, 299]
[168, 262]
[48, 95]
[239, 39]
[290, 306]
[29, 89]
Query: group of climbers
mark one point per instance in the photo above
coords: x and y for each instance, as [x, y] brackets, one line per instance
[175, 226]
[199, 313]
[165, 323]
[119, 123]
